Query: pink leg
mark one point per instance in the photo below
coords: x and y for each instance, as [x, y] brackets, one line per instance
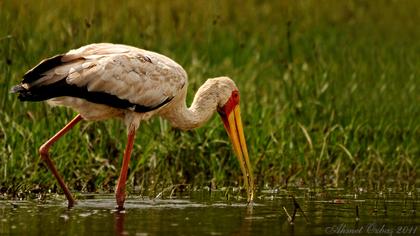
[120, 191]
[43, 150]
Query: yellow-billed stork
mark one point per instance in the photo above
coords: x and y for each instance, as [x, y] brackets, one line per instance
[104, 80]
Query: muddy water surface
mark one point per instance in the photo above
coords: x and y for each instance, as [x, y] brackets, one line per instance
[332, 212]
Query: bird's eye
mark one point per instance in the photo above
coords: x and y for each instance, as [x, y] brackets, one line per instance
[235, 96]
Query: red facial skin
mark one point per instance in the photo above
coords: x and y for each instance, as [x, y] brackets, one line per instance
[225, 111]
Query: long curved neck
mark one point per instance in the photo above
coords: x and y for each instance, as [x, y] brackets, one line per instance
[201, 110]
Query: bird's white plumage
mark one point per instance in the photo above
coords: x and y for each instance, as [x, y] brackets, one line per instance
[136, 75]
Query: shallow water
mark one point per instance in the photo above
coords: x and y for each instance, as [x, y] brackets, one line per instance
[328, 212]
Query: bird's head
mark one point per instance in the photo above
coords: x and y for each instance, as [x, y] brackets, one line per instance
[228, 109]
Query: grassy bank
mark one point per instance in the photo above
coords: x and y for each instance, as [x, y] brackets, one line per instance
[330, 93]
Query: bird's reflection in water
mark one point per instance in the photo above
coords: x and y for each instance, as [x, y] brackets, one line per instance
[119, 223]
[246, 223]
[243, 226]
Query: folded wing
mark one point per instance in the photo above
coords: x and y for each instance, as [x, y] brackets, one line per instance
[116, 75]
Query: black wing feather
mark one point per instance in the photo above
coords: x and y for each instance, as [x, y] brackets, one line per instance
[44, 66]
[61, 88]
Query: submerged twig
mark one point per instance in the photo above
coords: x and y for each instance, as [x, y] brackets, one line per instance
[296, 207]
[357, 213]
[385, 208]
[289, 218]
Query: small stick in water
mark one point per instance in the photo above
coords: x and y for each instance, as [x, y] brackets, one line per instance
[297, 207]
[289, 218]
[385, 208]
[357, 213]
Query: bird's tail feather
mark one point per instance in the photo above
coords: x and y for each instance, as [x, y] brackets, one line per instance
[17, 89]
[25, 94]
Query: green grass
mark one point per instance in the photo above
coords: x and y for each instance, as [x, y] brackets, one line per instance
[330, 93]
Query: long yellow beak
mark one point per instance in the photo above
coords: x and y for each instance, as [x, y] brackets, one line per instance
[233, 126]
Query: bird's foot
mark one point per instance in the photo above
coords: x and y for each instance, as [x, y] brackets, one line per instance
[71, 204]
[120, 208]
